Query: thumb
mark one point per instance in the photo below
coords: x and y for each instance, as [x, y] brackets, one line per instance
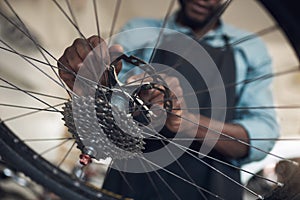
[115, 51]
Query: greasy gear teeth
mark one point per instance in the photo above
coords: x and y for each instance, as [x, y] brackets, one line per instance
[113, 134]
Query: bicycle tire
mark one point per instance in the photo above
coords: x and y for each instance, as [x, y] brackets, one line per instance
[14, 151]
[27, 161]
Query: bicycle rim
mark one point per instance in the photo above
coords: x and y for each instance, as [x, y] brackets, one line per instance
[14, 147]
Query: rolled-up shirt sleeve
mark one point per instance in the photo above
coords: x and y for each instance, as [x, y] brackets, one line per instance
[255, 102]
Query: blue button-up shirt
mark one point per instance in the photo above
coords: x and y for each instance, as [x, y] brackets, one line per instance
[252, 61]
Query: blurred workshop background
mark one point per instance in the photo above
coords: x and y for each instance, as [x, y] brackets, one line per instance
[54, 32]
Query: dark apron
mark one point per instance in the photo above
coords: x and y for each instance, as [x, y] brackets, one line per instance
[141, 187]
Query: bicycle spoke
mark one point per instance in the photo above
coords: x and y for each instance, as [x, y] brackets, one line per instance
[96, 18]
[26, 107]
[260, 78]
[184, 171]
[228, 164]
[54, 147]
[68, 10]
[162, 179]
[172, 155]
[71, 12]
[265, 107]
[38, 68]
[28, 57]
[181, 167]
[182, 179]
[152, 183]
[235, 139]
[46, 139]
[36, 93]
[260, 33]
[171, 5]
[231, 179]
[114, 20]
[124, 177]
[168, 186]
[82, 79]
[68, 18]
[216, 16]
[48, 53]
[82, 172]
[38, 99]
[228, 139]
[36, 45]
[238, 139]
[222, 162]
[189, 151]
[75, 25]
[218, 13]
[242, 108]
[99, 58]
[66, 155]
[105, 76]
[246, 81]
[31, 113]
[281, 107]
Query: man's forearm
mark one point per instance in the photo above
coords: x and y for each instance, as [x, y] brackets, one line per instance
[217, 130]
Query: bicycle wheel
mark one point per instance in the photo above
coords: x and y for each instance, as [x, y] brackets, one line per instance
[24, 134]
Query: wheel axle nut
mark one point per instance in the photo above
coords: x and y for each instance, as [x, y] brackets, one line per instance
[85, 159]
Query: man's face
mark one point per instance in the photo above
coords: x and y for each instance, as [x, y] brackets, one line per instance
[198, 11]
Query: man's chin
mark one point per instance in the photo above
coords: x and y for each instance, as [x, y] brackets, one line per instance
[195, 23]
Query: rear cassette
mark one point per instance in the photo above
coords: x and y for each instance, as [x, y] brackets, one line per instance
[102, 130]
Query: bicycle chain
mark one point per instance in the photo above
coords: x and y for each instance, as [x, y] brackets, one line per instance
[113, 134]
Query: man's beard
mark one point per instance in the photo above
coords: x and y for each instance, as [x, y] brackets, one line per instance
[194, 24]
[183, 18]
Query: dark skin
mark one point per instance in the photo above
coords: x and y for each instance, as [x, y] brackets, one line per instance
[73, 58]
[197, 12]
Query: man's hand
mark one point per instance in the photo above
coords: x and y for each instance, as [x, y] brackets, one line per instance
[94, 48]
[155, 98]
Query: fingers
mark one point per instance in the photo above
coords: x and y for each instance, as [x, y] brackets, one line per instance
[99, 48]
[69, 62]
[156, 98]
[173, 84]
[155, 95]
[95, 40]
[139, 79]
[115, 51]
[90, 56]
[65, 72]
[81, 47]
[152, 96]
[101, 54]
